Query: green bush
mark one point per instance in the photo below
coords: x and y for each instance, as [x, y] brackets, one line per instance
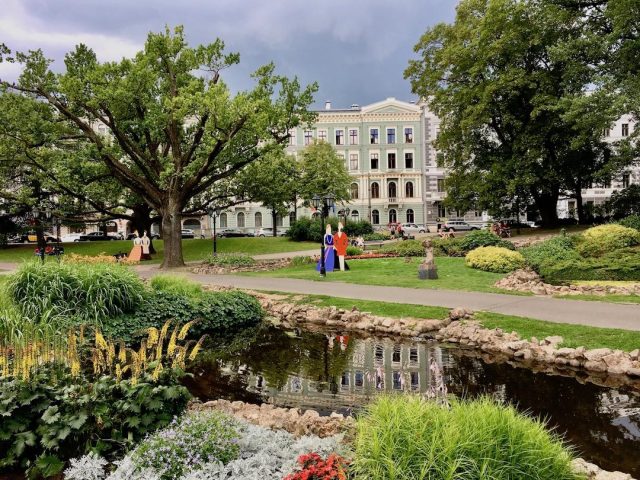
[406, 438]
[54, 417]
[623, 264]
[495, 259]
[176, 284]
[351, 250]
[549, 252]
[404, 248]
[377, 236]
[632, 221]
[88, 292]
[604, 238]
[223, 313]
[231, 260]
[307, 229]
[483, 238]
[448, 247]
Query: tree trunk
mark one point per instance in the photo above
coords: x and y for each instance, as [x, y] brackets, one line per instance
[547, 204]
[580, 206]
[141, 221]
[274, 218]
[172, 234]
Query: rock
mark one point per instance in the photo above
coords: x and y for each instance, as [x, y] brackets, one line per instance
[633, 371]
[565, 352]
[457, 313]
[597, 353]
[635, 354]
[554, 340]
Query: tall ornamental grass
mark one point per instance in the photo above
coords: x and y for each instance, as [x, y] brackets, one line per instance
[406, 437]
[84, 292]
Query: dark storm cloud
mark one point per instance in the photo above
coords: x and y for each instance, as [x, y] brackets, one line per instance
[356, 50]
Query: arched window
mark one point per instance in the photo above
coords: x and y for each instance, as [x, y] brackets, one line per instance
[410, 216]
[408, 189]
[393, 216]
[240, 220]
[354, 191]
[375, 190]
[375, 217]
[355, 215]
[392, 190]
[223, 220]
[258, 220]
[292, 217]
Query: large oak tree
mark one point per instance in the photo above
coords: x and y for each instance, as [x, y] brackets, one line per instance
[173, 129]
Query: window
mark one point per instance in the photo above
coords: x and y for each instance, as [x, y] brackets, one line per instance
[374, 161]
[379, 354]
[292, 137]
[354, 191]
[375, 217]
[625, 180]
[440, 185]
[408, 190]
[339, 137]
[308, 137]
[415, 381]
[391, 160]
[353, 137]
[240, 222]
[391, 135]
[441, 210]
[393, 216]
[606, 132]
[345, 379]
[292, 217]
[392, 190]
[413, 355]
[322, 135]
[353, 161]
[396, 357]
[410, 216]
[408, 160]
[397, 380]
[359, 379]
[223, 220]
[625, 129]
[278, 220]
[375, 190]
[355, 215]
[408, 135]
[258, 220]
[374, 135]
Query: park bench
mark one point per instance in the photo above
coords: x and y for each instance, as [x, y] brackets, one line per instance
[372, 243]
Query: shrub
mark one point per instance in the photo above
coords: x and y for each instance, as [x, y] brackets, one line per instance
[176, 284]
[623, 264]
[605, 238]
[377, 236]
[495, 259]
[404, 248]
[301, 261]
[483, 238]
[405, 437]
[632, 221]
[231, 260]
[307, 229]
[448, 247]
[224, 313]
[351, 250]
[89, 292]
[555, 250]
[189, 442]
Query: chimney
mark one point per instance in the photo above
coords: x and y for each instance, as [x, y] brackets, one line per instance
[355, 106]
[327, 105]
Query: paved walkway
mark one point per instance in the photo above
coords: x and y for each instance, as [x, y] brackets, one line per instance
[580, 312]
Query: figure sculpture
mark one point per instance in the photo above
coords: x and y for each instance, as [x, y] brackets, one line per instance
[136, 252]
[428, 269]
[146, 243]
[341, 243]
[329, 252]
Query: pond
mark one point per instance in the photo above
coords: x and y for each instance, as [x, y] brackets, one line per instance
[329, 372]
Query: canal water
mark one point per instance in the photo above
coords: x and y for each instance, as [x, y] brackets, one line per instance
[328, 372]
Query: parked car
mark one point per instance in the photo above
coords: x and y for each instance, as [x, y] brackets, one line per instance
[187, 233]
[232, 232]
[412, 228]
[48, 237]
[153, 236]
[268, 232]
[18, 238]
[459, 226]
[71, 237]
[96, 237]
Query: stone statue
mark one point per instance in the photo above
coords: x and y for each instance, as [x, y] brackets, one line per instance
[428, 269]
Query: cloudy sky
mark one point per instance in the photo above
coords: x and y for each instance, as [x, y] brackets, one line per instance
[356, 50]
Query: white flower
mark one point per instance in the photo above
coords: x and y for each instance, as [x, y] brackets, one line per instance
[88, 467]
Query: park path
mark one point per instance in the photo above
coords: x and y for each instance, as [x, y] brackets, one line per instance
[579, 312]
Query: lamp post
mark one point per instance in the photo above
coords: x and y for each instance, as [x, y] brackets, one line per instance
[40, 215]
[324, 204]
[213, 213]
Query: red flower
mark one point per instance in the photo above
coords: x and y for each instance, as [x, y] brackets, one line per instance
[313, 467]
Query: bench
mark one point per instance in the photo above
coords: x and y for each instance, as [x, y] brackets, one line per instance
[372, 243]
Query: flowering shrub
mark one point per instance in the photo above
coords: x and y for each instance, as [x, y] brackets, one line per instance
[192, 441]
[605, 238]
[495, 259]
[313, 467]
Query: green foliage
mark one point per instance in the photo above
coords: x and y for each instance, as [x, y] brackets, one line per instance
[605, 238]
[298, 261]
[405, 248]
[54, 417]
[623, 264]
[549, 252]
[377, 236]
[193, 440]
[405, 438]
[448, 247]
[495, 259]
[87, 292]
[351, 250]
[624, 202]
[225, 313]
[231, 260]
[632, 221]
[176, 284]
[323, 172]
[483, 238]
[311, 229]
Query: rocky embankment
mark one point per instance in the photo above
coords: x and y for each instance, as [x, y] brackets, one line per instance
[528, 281]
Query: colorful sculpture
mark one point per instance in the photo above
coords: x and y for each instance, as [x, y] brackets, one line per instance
[329, 252]
[146, 243]
[136, 252]
[341, 243]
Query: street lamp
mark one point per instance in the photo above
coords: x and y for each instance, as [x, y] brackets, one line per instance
[323, 204]
[40, 215]
[345, 213]
[213, 213]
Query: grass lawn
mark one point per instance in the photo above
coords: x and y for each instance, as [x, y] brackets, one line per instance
[574, 335]
[193, 249]
[603, 298]
[452, 274]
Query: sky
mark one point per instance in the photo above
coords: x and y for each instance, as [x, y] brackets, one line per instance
[356, 50]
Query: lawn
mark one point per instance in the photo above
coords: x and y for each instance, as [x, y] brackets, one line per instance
[574, 335]
[193, 249]
[452, 274]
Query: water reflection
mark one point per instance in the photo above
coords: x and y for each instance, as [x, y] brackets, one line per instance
[330, 371]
